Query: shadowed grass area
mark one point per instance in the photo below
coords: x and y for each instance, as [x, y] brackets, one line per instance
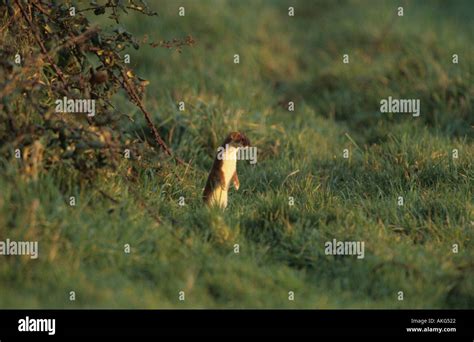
[190, 248]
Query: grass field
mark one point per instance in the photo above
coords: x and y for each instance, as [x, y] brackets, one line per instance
[190, 248]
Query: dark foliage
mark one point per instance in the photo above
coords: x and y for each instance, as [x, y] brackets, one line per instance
[50, 50]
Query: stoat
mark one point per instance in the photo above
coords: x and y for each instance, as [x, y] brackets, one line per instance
[224, 170]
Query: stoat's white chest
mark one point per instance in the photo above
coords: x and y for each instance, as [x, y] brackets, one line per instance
[229, 164]
[228, 167]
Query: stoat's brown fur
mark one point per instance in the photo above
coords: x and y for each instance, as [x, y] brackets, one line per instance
[224, 170]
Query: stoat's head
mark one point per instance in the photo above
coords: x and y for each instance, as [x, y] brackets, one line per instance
[237, 139]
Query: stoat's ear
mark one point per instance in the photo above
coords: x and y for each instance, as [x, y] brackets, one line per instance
[238, 138]
[234, 136]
